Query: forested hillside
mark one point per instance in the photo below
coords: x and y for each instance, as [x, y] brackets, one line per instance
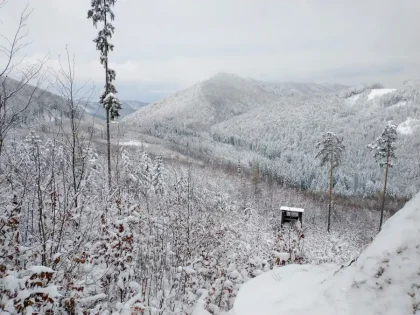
[275, 128]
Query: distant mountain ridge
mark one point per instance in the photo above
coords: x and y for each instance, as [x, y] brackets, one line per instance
[296, 88]
[48, 108]
[128, 107]
[221, 97]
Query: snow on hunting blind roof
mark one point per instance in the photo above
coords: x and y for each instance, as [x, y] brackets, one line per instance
[385, 278]
[284, 208]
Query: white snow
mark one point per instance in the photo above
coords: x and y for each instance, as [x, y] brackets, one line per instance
[189, 270]
[199, 308]
[109, 96]
[399, 104]
[93, 298]
[352, 99]
[284, 208]
[40, 269]
[407, 127]
[385, 279]
[379, 92]
[134, 143]
[282, 256]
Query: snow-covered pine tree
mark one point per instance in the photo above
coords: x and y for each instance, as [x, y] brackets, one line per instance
[331, 151]
[157, 176]
[384, 149]
[145, 174]
[101, 12]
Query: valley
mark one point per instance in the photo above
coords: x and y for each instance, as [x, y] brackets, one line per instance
[231, 118]
[209, 158]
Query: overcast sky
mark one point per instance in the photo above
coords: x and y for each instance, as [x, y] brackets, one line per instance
[165, 45]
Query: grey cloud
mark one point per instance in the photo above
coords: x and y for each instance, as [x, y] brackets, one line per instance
[166, 45]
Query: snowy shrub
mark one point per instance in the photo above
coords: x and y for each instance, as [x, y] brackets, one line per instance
[289, 245]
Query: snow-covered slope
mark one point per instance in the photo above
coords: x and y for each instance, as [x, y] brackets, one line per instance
[296, 88]
[385, 279]
[285, 132]
[379, 92]
[221, 97]
[408, 126]
[277, 126]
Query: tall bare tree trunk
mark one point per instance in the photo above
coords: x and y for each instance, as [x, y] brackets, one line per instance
[108, 136]
[384, 192]
[108, 144]
[331, 187]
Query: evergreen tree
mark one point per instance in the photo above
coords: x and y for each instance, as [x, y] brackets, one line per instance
[384, 149]
[157, 176]
[145, 174]
[101, 12]
[331, 151]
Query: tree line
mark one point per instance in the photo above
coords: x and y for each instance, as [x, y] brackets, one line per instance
[332, 150]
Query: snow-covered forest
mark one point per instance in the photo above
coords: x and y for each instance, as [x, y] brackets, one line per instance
[276, 131]
[173, 207]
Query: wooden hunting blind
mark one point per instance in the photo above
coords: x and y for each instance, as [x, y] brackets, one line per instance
[291, 215]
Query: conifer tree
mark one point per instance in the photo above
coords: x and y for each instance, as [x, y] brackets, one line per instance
[102, 13]
[384, 149]
[157, 176]
[331, 151]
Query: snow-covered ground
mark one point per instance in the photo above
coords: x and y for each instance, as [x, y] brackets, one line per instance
[385, 279]
[379, 92]
[407, 127]
[352, 99]
[134, 143]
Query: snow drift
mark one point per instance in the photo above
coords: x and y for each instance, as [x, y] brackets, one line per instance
[385, 279]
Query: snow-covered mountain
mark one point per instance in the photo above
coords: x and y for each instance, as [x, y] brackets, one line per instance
[45, 102]
[276, 127]
[296, 88]
[385, 278]
[221, 97]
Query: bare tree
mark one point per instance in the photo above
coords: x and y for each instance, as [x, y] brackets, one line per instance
[75, 99]
[17, 75]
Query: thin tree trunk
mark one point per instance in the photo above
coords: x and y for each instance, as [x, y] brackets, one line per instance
[73, 148]
[108, 143]
[331, 187]
[40, 210]
[384, 192]
[108, 137]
